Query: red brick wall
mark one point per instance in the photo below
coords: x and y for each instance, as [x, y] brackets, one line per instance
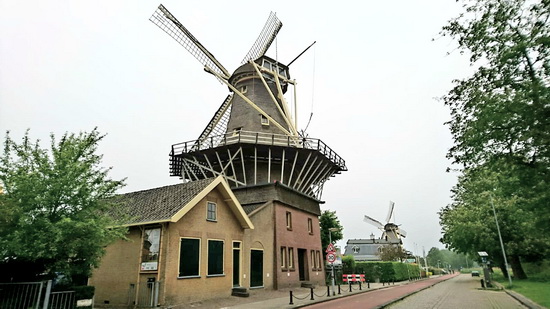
[297, 238]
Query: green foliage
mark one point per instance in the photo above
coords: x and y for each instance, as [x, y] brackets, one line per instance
[387, 271]
[329, 220]
[55, 202]
[501, 130]
[392, 253]
[348, 264]
[447, 257]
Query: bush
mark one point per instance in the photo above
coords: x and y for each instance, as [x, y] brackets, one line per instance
[387, 271]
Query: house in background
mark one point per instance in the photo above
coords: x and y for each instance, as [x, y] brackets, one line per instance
[365, 250]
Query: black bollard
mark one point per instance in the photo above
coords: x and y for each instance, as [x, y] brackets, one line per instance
[339, 289]
[311, 292]
[482, 284]
[328, 291]
[359, 284]
[291, 303]
[368, 284]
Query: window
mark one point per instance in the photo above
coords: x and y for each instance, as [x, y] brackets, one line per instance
[291, 258]
[289, 220]
[150, 249]
[215, 257]
[189, 257]
[237, 131]
[313, 260]
[310, 225]
[243, 89]
[283, 257]
[264, 120]
[319, 263]
[355, 249]
[211, 213]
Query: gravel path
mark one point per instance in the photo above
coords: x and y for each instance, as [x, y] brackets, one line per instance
[459, 292]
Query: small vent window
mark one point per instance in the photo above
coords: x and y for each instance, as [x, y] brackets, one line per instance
[243, 89]
[264, 120]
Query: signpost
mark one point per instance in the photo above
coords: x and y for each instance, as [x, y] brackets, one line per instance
[331, 255]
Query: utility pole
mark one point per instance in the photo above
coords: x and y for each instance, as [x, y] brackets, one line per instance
[501, 243]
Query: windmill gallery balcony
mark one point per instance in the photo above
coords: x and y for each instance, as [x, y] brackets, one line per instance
[251, 158]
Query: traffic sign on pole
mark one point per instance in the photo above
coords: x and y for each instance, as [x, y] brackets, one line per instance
[330, 248]
[331, 257]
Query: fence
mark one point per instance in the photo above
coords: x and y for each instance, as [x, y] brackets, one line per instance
[145, 295]
[34, 295]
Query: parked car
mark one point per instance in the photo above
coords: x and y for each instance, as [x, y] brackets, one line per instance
[475, 273]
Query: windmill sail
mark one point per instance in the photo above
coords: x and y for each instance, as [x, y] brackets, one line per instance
[167, 22]
[374, 222]
[264, 40]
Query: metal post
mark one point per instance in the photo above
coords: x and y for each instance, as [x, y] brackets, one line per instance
[332, 264]
[291, 303]
[47, 295]
[501, 243]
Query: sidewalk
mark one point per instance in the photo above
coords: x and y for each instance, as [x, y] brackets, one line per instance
[302, 296]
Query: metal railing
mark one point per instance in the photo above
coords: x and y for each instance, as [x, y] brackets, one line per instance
[21, 295]
[260, 139]
[35, 295]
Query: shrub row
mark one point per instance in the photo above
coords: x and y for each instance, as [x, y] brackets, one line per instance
[387, 271]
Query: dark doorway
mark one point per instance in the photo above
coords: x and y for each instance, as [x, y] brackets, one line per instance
[236, 264]
[256, 268]
[302, 265]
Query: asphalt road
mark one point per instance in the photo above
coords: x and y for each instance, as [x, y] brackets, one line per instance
[458, 292]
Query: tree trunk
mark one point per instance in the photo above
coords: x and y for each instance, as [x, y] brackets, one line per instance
[517, 269]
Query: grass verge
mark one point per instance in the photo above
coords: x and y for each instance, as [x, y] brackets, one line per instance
[534, 289]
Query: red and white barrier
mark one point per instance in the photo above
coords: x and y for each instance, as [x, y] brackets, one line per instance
[353, 278]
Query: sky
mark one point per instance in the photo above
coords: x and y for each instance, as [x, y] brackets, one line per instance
[370, 85]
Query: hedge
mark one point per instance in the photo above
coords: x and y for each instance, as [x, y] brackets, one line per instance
[387, 271]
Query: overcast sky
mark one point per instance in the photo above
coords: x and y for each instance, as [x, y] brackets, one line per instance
[371, 82]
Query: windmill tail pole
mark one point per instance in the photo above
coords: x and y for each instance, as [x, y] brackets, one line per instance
[301, 53]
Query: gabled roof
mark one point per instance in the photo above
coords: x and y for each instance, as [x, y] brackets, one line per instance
[171, 203]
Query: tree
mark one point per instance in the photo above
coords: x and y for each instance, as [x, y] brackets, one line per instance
[500, 123]
[54, 206]
[469, 225]
[327, 221]
[392, 253]
[502, 108]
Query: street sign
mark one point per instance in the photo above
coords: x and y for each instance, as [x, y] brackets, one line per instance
[331, 257]
[330, 249]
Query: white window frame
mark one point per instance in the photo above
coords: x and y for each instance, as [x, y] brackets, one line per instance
[208, 212]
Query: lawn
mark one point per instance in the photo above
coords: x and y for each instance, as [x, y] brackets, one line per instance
[536, 289]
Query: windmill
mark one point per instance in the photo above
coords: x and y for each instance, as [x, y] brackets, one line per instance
[253, 137]
[390, 230]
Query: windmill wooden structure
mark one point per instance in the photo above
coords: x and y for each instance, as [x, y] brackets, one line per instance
[253, 137]
[390, 230]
